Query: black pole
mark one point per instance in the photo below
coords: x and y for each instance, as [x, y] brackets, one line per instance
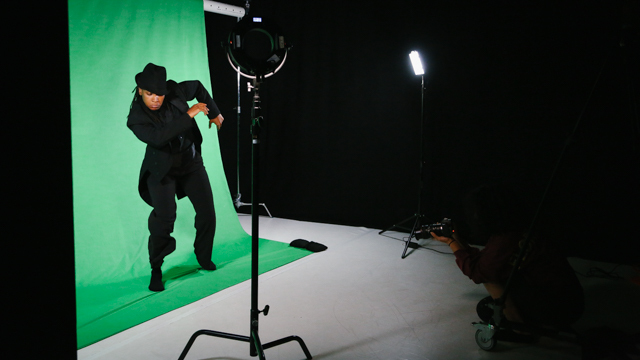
[256, 348]
[418, 216]
[420, 191]
[255, 240]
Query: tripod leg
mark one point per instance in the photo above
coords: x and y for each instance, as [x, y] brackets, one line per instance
[288, 339]
[259, 350]
[400, 223]
[416, 225]
[265, 207]
[210, 333]
[186, 348]
[406, 247]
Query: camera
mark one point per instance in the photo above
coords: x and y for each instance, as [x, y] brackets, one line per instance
[443, 228]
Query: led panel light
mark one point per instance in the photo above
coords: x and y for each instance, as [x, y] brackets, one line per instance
[416, 62]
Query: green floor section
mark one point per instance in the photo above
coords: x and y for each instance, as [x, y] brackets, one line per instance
[106, 309]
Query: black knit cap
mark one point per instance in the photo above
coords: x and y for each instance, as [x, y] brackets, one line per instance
[153, 78]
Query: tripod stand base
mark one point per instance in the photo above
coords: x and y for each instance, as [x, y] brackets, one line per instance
[259, 348]
[412, 231]
[238, 203]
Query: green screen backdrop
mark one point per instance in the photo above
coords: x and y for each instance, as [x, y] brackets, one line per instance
[110, 42]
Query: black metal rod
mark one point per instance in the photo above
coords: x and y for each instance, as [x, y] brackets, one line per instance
[416, 225]
[255, 347]
[289, 339]
[421, 190]
[255, 177]
[399, 225]
[420, 214]
[498, 317]
[211, 333]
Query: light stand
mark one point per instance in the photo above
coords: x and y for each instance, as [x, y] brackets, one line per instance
[416, 218]
[256, 347]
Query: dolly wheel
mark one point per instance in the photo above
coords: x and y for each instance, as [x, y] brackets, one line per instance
[485, 343]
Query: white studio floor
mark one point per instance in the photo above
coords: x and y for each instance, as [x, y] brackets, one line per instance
[360, 300]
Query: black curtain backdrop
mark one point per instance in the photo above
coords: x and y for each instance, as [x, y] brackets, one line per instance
[506, 83]
[40, 286]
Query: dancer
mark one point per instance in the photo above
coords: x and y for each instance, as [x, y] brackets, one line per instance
[161, 118]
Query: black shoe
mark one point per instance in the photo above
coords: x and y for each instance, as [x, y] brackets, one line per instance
[156, 280]
[483, 310]
[208, 265]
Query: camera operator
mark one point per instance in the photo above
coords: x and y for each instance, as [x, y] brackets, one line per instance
[545, 290]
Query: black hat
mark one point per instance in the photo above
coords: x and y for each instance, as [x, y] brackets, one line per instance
[153, 78]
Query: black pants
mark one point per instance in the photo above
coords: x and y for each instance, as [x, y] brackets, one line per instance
[188, 173]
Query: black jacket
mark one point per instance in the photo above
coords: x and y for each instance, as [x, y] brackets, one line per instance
[158, 135]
